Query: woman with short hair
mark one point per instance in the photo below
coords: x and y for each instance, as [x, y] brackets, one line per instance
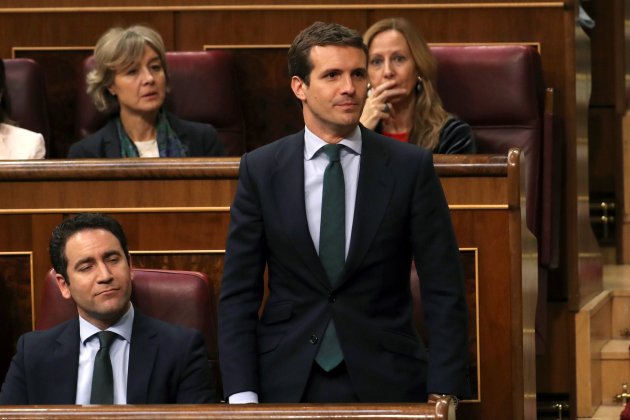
[129, 81]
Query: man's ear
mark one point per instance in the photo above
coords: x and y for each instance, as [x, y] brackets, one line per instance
[298, 86]
[63, 286]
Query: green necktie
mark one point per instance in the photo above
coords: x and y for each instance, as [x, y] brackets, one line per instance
[332, 246]
[103, 378]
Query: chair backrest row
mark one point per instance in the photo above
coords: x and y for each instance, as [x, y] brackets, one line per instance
[203, 88]
[499, 91]
[26, 90]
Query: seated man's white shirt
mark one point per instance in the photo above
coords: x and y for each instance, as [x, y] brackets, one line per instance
[118, 353]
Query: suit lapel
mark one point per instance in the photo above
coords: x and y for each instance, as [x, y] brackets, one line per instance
[64, 365]
[288, 189]
[180, 130]
[142, 354]
[373, 196]
[111, 143]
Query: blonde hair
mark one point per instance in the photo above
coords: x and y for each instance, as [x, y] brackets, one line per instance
[118, 49]
[429, 116]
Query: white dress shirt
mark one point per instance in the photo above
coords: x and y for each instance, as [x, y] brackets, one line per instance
[118, 353]
[315, 162]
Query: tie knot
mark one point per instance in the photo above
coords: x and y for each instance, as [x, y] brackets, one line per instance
[332, 151]
[106, 338]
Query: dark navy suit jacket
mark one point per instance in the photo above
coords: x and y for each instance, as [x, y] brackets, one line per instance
[400, 213]
[167, 364]
[201, 140]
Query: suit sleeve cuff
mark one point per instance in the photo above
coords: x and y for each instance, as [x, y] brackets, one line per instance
[246, 397]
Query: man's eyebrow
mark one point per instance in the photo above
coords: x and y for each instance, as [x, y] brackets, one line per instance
[83, 261]
[329, 70]
[107, 254]
[112, 253]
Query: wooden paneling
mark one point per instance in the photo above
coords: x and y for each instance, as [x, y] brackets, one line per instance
[607, 54]
[265, 94]
[592, 329]
[233, 412]
[199, 23]
[260, 23]
[259, 27]
[72, 29]
[175, 215]
[553, 369]
[607, 106]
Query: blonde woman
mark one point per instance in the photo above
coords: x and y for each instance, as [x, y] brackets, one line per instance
[403, 102]
[129, 81]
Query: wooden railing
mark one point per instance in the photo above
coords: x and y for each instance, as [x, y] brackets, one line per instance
[233, 412]
[176, 213]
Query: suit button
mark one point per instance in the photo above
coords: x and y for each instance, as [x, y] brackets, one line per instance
[331, 298]
[313, 339]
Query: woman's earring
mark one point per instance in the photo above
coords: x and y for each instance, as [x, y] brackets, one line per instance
[419, 85]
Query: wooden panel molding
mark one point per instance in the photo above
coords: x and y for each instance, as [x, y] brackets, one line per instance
[261, 6]
[234, 412]
[182, 231]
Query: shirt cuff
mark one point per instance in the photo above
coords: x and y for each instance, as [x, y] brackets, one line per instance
[246, 397]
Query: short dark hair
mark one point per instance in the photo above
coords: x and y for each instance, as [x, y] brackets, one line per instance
[319, 34]
[72, 225]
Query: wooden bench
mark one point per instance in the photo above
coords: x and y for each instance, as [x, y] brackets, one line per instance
[176, 213]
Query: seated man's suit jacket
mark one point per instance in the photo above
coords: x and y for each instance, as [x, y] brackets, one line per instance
[201, 140]
[167, 364]
[400, 213]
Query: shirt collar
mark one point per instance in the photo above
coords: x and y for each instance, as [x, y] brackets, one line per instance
[312, 143]
[123, 327]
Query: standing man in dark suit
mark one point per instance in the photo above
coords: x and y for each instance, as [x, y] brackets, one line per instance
[337, 235]
[149, 361]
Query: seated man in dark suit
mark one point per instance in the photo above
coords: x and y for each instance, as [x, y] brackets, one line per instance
[111, 353]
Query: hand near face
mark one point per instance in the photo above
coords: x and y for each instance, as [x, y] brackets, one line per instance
[378, 106]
